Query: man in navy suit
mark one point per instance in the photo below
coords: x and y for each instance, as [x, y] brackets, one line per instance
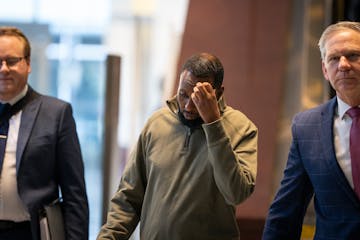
[319, 162]
[42, 153]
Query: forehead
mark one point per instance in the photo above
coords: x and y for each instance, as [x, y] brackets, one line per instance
[188, 80]
[344, 40]
[11, 45]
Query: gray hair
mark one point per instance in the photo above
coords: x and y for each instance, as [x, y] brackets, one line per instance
[343, 25]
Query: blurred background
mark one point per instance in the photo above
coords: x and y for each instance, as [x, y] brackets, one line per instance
[117, 61]
[71, 41]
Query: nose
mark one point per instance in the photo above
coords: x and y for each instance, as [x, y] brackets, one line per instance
[3, 65]
[189, 105]
[344, 64]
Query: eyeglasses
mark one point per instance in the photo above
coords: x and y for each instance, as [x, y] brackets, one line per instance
[11, 61]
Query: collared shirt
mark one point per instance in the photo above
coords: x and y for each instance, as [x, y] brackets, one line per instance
[11, 206]
[342, 125]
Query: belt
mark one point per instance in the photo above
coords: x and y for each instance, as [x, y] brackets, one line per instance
[6, 224]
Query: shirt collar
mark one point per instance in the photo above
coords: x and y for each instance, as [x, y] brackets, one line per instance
[342, 108]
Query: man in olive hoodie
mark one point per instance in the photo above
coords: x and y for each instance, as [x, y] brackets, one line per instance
[194, 161]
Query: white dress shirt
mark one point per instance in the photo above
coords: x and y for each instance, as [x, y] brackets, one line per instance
[11, 206]
[342, 125]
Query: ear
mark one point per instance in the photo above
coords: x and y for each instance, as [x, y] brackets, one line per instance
[219, 92]
[324, 70]
[29, 65]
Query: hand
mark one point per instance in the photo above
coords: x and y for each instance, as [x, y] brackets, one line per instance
[204, 98]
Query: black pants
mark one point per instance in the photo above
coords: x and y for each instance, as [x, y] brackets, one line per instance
[17, 231]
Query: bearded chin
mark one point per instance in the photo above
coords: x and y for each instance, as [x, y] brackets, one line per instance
[193, 123]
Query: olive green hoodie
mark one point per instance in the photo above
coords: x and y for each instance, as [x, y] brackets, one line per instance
[182, 183]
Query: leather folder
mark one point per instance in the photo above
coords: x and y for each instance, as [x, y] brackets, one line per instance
[51, 222]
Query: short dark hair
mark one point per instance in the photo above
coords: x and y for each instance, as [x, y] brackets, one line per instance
[15, 32]
[205, 65]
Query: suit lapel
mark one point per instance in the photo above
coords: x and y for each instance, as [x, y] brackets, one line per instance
[28, 117]
[327, 139]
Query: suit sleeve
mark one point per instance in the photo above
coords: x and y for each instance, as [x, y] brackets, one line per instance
[286, 213]
[71, 178]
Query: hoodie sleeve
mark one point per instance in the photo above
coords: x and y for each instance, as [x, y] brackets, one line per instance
[232, 150]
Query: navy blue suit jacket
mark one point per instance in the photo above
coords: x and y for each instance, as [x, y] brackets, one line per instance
[48, 158]
[312, 170]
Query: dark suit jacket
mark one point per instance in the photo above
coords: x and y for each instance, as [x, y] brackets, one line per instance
[312, 170]
[48, 157]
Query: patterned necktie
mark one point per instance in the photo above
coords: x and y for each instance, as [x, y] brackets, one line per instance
[354, 113]
[4, 128]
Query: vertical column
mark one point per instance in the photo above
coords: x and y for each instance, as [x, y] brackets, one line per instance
[111, 113]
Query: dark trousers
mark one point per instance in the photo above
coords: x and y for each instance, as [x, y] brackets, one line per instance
[16, 231]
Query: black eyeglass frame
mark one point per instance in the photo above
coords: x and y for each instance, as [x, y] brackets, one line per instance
[11, 61]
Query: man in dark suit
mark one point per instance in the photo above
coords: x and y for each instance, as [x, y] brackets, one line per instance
[41, 159]
[322, 159]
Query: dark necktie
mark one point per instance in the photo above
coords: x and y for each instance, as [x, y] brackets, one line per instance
[354, 113]
[4, 128]
[6, 111]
